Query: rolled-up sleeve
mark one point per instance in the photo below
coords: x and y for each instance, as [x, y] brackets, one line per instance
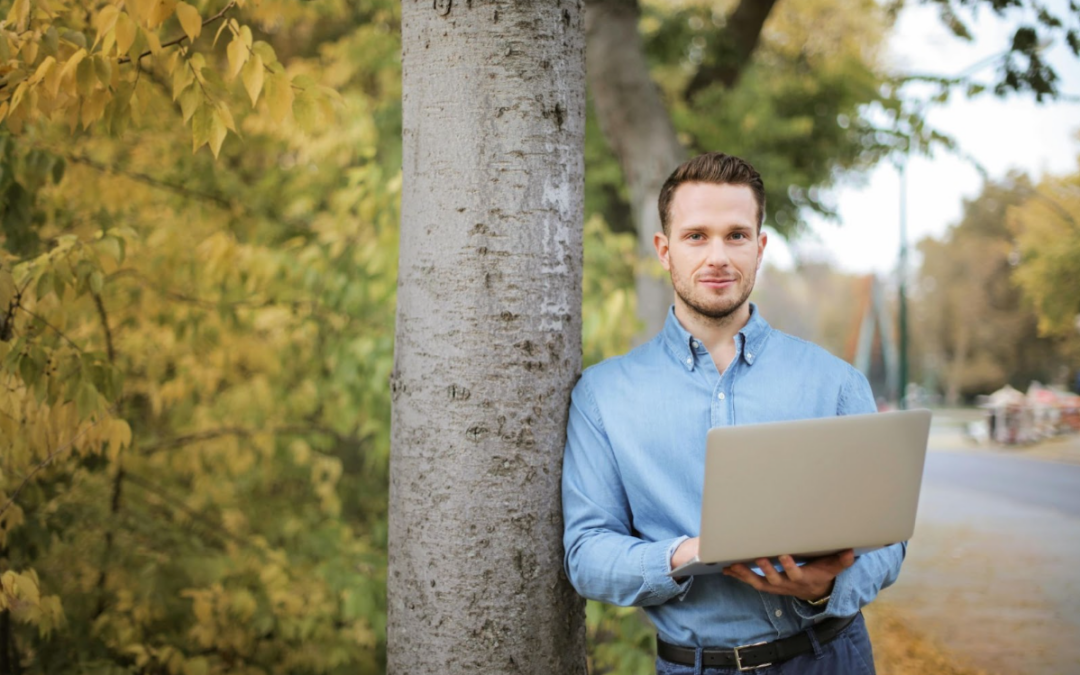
[604, 560]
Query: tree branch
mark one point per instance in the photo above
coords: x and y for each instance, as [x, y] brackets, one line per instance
[105, 327]
[153, 182]
[222, 432]
[48, 460]
[54, 328]
[178, 40]
[737, 44]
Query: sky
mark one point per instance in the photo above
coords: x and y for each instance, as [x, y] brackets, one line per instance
[1001, 134]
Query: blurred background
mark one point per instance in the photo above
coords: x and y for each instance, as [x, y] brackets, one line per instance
[198, 257]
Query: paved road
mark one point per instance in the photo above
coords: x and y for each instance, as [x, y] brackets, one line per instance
[993, 571]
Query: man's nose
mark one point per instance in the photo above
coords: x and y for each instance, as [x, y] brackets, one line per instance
[718, 254]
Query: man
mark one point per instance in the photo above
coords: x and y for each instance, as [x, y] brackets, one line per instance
[634, 461]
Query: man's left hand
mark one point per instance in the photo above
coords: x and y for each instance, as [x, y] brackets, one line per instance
[811, 581]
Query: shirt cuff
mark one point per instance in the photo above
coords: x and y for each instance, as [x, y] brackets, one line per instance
[838, 604]
[656, 563]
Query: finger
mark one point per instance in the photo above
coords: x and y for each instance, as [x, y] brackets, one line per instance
[791, 569]
[742, 573]
[771, 575]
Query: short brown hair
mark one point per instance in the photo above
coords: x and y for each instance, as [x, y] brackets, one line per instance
[716, 168]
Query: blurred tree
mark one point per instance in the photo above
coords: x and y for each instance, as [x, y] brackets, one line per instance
[1047, 230]
[194, 419]
[970, 322]
[797, 86]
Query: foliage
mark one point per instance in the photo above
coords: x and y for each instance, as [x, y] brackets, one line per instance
[1047, 230]
[802, 110]
[970, 324]
[62, 63]
[194, 354]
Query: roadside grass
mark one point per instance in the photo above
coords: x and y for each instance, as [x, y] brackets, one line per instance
[900, 649]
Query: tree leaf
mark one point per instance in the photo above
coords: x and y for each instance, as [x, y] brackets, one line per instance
[126, 29]
[279, 97]
[238, 55]
[201, 123]
[190, 20]
[218, 132]
[253, 74]
[19, 16]
[190, 100]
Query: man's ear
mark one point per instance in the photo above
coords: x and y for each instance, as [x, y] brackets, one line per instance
[763, 239]
[660, 242]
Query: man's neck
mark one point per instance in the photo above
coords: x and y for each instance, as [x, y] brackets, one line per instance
[717, 335]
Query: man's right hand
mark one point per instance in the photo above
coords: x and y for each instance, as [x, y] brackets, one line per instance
[686, 552]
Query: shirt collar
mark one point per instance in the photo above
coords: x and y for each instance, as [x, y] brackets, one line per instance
[683, 346]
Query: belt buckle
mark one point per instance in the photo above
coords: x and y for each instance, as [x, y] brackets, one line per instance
[738, 659]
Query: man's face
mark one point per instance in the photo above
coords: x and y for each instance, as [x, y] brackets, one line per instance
[712, 248]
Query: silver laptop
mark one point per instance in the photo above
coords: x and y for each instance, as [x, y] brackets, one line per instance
[809, 488]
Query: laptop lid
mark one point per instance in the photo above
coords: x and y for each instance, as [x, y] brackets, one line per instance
[811, 487]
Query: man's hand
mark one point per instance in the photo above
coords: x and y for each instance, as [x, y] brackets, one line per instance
[686, 552]
[812, 581]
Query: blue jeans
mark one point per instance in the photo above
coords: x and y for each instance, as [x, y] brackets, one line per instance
[848, 654]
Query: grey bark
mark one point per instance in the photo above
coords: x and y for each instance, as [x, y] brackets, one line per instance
[638, 128]
[488, 337]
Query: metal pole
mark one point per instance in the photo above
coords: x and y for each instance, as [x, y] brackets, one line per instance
[902, 379]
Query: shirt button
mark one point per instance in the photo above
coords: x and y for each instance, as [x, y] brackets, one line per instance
[689, 359]
[721, 396]
[779, 612]
[749, 355]
[695, 344]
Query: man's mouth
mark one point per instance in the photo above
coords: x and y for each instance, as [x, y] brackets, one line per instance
[716, 282]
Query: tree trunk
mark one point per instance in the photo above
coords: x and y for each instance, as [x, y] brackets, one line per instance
[638, 128]
[488, 337]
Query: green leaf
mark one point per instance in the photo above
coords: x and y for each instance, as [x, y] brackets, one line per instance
[96, 281]
[201, 123]
[190, 100]
[45, 284]
[279, 97]
[86, 400]
[110, 246]
[103, 70]
[264, 51]
[305, 109]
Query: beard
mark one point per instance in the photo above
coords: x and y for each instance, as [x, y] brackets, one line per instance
[714, 308]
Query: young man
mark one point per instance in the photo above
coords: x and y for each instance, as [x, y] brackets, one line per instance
[635, 453]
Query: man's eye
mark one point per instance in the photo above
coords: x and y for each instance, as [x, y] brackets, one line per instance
[696, 236]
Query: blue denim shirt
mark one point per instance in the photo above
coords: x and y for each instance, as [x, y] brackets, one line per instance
[634, 465]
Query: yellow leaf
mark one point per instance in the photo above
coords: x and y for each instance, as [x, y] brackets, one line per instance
[154, 41]
[227, 118]
[159, 12]
[190, 20]
[245, 35]
[46, 65]
[125, 33]
[67, 75]
[253, 78]
[3, 110]
[238, 55]
[106, 21]
[280, 97]
[218, 132]
[19, 16]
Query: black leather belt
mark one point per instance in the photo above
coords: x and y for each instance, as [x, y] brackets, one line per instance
[749, 657]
